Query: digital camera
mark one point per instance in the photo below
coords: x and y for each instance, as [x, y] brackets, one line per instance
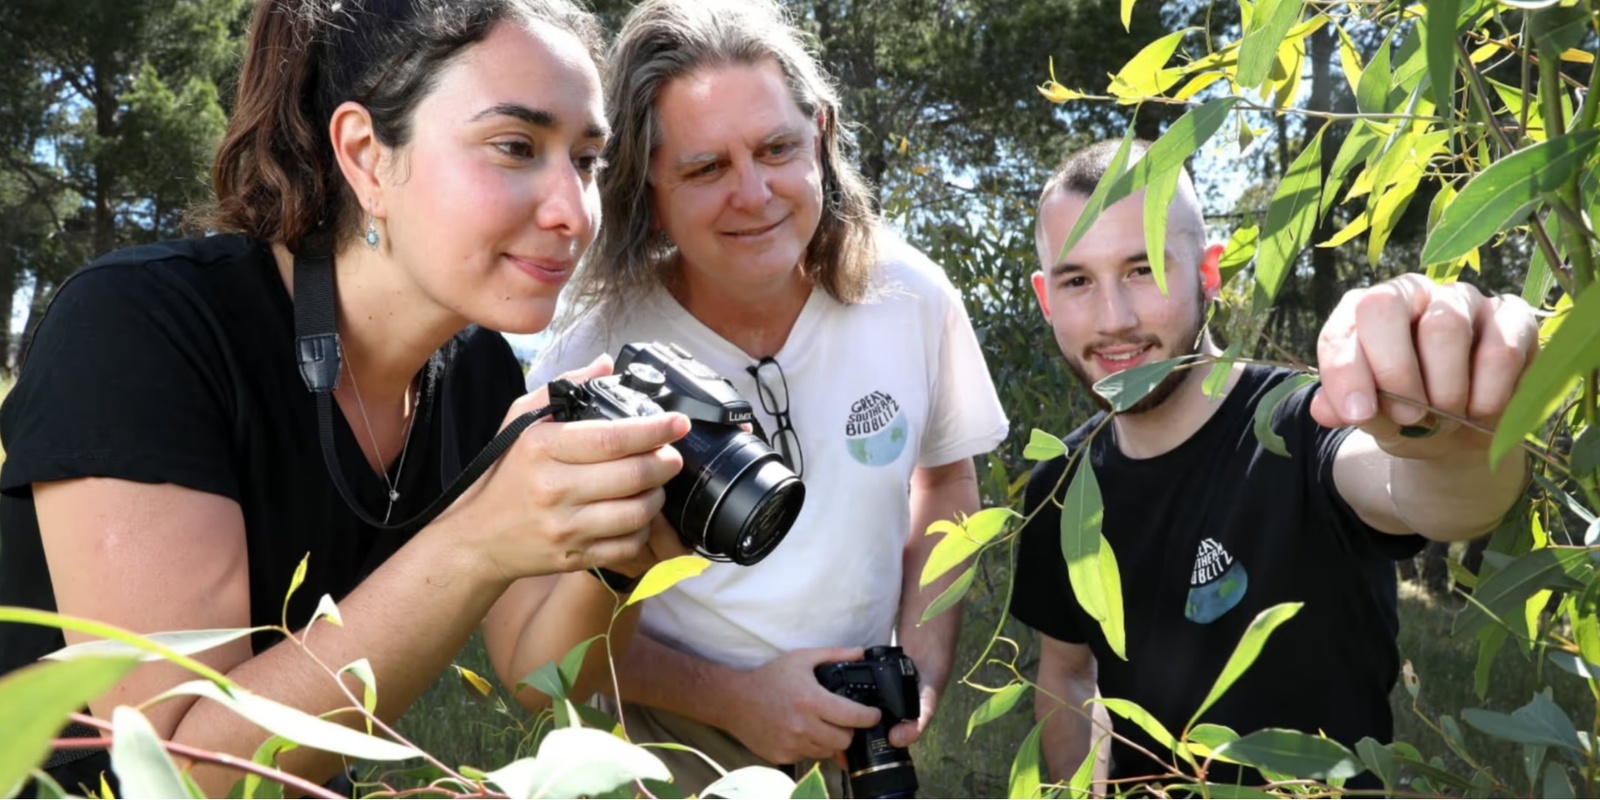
[885, 679]
[734, 499]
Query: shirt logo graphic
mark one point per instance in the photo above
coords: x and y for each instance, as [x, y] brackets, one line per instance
[1216, 585]
[876, 430]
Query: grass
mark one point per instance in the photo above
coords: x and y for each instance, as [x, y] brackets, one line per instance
[450, 723]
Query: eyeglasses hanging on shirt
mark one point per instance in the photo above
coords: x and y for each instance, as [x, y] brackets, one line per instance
[773, 388]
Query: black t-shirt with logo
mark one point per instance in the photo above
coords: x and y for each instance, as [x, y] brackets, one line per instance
[175, 363]
[1206, 536]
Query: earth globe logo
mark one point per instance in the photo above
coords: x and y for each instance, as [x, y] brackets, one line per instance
[1216, 585]
[876, 431]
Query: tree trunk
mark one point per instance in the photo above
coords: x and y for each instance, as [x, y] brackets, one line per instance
[10, 272]
[105, 123]
[1324, 260]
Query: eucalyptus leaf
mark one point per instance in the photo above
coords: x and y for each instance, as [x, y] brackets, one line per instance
[1268, 407]
[810, 787]
[1294, 753]
[1379, 760]
[950, 596]
[1291, 217]
[1269, 25]
[1246, 652]
[1503, 193]
[144, 770]
[1541, 721]
[1027, 771]
[578, 762]
[36, 701]
[296, 725]
[1043, 446]
[1505, 593]
[665, 575]
[1136, 714]
[186, 642]
[751, 782]
[995, 707]
[1125, 388]
[951, 551]
[1439, 31]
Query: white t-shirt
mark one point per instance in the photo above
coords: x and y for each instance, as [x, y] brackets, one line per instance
[875, 390]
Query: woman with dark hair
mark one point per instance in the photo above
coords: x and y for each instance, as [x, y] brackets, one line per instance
[400, 180]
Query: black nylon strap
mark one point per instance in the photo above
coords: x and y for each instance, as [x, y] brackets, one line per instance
[317, 343]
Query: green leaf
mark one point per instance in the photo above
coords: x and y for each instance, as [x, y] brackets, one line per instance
[1559, 27]
[546, 680]
[1505, 593]
[1091, 566]
[1586, 450]
[950, 596]
[142, 765]
[1586, 623]
[664, 575]
[1134, 713]
[186, 642]
[1205, 738]
[1124, 388]
[296, 725]
[579, 762]
[756, 781]
[1379, 760]
[1026, 772]
[572, 662]
[1294, 753]
[1358, 145]
[100, 630]
[811, 787]
[1082, 777]
[1439, 33]
[1572, 351]
[1268, 406]
[1127, 15]
[995, 706]
[1246, 652]
[1102, 195]
[1157, 202]
[951, 551]
[1503, 193]
[253, 787]
[986, 524]
[1291, 217]
[1143, 74]
[1043, 446]
[1541, 721]
[362, 669]
[1269, 25]
[1557, 786]
[36, 701]
[1490, 640]
[1241, 248]
[298, 578]
[1217, 379]
[1571, 663]
[1372, 96]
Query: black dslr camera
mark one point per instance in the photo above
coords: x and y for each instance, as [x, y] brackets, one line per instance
[886, 680]
[734, 499]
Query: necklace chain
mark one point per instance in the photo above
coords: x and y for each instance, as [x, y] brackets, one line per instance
[394, 492]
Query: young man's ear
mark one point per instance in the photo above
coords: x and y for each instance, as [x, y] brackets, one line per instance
[1041, 291]
[1210, 273]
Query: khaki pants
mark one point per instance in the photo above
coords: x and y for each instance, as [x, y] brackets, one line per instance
[690, 773]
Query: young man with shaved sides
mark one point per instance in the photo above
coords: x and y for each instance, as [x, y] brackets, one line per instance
[1210, 528]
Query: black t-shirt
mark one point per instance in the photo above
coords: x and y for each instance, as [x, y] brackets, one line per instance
[175, 363]
[1206, 536]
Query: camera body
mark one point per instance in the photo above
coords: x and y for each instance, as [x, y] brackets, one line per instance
[734, 499]
[885, 679]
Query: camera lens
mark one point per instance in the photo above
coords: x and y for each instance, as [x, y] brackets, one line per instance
[878, 769]
[734, 498]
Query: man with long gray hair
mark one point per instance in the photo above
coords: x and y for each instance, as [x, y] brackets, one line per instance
[736, 227]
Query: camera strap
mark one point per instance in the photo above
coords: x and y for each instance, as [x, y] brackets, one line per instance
[317, 349]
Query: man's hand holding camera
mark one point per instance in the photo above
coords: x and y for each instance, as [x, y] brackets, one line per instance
[785, 716]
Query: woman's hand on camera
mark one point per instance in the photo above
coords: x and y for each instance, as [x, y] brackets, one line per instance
[572, 495]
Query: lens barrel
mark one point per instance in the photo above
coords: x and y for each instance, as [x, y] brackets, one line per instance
[734, 498]
[877, 768]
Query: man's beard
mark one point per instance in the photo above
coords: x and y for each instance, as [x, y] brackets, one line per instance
[1186, 346]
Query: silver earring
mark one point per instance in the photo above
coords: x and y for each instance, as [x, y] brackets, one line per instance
[372, 232]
